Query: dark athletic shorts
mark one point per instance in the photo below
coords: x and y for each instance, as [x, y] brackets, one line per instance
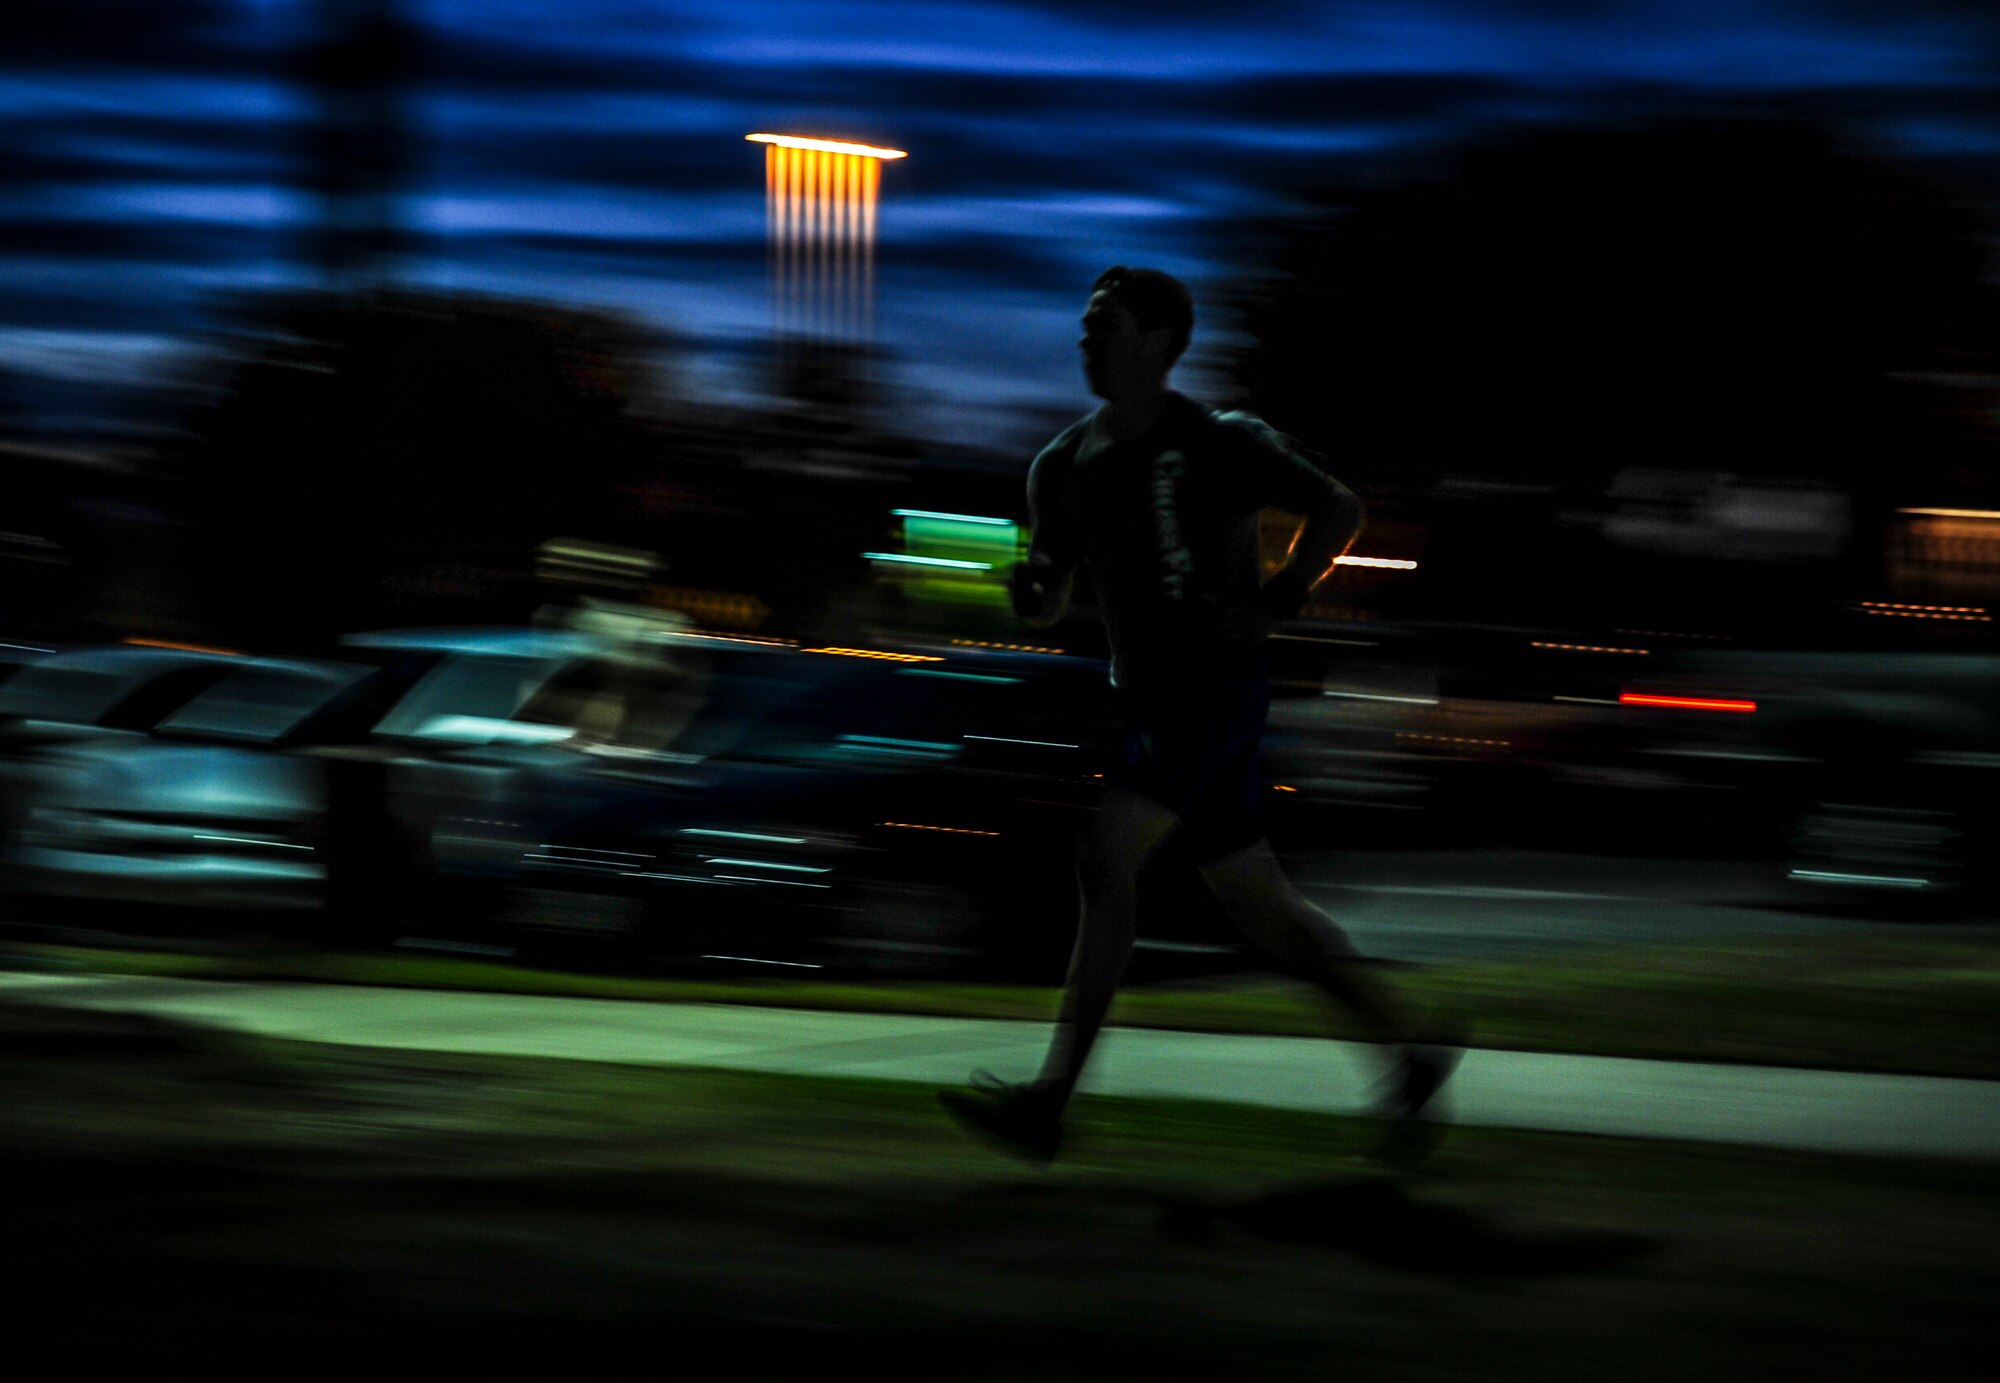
[1193, 747]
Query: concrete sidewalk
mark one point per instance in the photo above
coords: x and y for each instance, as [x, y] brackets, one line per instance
[1771, 1106]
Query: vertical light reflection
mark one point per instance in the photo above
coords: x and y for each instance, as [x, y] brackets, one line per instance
[837, 243]
[821, 206]
[854, 242]
[871, 175]
[791, 238]
[822, 242]
[774, 246]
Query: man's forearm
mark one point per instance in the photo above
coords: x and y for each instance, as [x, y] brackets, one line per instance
[1040, 588]
[1328, 533]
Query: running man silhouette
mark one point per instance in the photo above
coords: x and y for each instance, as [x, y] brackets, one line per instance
[1155, 500]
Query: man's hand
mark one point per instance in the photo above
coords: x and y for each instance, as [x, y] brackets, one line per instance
[1282, 597]
[1035, 586]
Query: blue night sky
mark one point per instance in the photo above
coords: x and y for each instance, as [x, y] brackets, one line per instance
[591, 151]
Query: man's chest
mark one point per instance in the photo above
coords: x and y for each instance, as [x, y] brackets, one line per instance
[1122, 492]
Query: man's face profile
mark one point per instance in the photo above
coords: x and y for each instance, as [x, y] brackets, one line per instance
[1117, 355]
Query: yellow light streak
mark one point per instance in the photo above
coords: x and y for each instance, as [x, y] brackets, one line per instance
[1954, 513]
[826, 146]
[948, 830]
[1675, 634]
[709, 636]
[1007, 647]
[1589, 648]
[1919, 614]
[1453, 739]
[177, 646]
[1932, 609]
[878, 655]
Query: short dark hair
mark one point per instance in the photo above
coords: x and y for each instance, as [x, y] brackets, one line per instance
[1154, 299]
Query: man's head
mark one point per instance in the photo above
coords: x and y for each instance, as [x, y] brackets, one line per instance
[1134, 329]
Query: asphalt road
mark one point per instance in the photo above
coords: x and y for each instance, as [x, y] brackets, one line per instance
[1456, 905]
[1452, 905]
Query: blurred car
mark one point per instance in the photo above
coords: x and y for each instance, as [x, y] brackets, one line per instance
[1435, 735]
[57, 699]
[122, 687]
[214, 809]
[286, 785]
[854, 810]
[14, 657]
[1867, 776]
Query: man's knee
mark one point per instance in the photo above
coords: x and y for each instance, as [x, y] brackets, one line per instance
[1105, 870]
[1247, 878]
[1129, 830]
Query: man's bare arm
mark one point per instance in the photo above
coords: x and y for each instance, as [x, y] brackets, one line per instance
[1330, 530]
[1041, 585]
[1290, 478]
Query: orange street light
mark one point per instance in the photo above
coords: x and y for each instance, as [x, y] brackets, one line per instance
[820, 197]
[825, 146]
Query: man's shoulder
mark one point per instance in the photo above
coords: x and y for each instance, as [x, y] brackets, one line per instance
[1063, 446]
[1240, 423]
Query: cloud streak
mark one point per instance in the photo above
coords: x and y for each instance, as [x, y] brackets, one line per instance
[150, 147]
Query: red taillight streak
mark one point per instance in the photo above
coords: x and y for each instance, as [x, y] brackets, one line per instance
[1685, 703]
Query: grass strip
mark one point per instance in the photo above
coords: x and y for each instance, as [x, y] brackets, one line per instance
[1905, 1004]
[187, 1193]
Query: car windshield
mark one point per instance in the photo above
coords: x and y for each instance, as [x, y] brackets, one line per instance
[470, 697]
[853, 712]
[86, 691]
[263, 704]
[790, 707]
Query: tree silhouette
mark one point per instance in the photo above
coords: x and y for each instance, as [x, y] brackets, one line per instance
[1737, 296]
[1740, 297]
[396, 459]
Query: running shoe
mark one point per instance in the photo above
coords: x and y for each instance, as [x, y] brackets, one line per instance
[1025, 1120]
[1420, 1072]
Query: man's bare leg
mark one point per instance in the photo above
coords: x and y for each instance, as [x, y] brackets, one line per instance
[1130, 828]
[1268, 910]
[1028, 1119]
[1265, 907]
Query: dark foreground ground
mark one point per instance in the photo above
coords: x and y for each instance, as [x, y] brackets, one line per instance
[203, 1203]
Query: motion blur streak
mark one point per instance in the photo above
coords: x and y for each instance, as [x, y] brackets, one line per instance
[1685, 703]
[878, 654]
[948, 830]
[182, 647]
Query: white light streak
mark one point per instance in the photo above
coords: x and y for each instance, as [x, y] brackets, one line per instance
[1009, 739]
[244, 840]
[743, 835]
[1373, 696]
[770, 864]
[1827, 876]
[781, 883]
[760, 960]
[927, 561]
[955, 518]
